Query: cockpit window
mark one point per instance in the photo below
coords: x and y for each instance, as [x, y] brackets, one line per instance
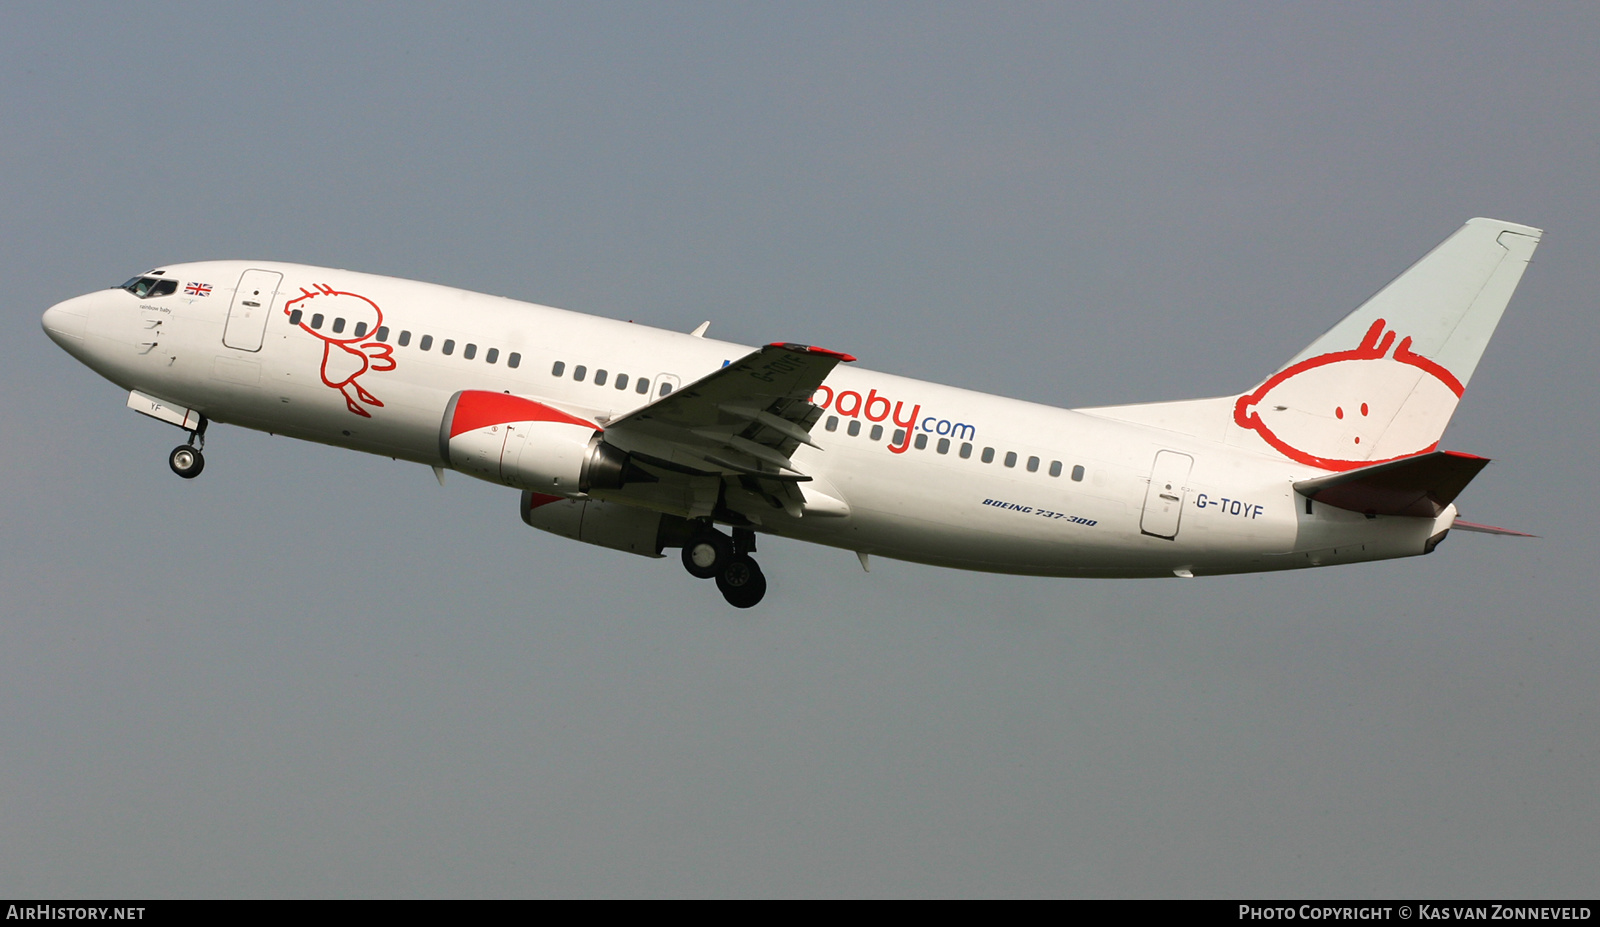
[150, 287]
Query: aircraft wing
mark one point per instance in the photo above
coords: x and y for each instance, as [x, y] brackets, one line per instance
[1420, 486]
[745, 419]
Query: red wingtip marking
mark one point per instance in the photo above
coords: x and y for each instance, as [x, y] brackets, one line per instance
[808, 349]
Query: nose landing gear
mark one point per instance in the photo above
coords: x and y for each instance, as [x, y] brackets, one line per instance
[710, 554]
[186, 459]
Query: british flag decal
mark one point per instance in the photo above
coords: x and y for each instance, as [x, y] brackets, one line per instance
[198, 289]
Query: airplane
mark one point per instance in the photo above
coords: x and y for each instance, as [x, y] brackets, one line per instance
[643, 440]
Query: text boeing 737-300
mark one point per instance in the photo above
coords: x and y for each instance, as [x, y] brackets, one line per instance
[641, 439]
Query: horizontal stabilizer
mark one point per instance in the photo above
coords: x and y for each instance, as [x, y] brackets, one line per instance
[1419, 486]
[1490, 529]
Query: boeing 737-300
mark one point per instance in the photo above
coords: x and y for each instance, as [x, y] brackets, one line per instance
[644, 440]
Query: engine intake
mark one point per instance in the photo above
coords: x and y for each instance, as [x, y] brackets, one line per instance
[519, 442]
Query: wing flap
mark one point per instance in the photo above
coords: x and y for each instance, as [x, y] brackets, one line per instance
[1419, 486]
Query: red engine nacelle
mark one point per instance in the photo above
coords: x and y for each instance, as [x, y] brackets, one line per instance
[519, 442]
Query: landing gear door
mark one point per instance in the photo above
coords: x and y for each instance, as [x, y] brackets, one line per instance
[252, 304]
[1163, 501]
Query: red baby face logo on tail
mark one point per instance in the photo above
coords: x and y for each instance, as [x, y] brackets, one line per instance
[343, 322]
[1352, 408]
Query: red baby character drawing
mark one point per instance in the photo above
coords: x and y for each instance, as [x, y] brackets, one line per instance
[342, 320]
[1348, 409]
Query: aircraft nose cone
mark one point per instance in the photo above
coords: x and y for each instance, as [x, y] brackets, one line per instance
[64, 323]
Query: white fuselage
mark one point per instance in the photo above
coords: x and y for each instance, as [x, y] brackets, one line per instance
[979, 482]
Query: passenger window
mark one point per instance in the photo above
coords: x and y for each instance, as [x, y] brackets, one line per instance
[381, 335]
[514, 360]
[558, 368]
[899, 439]
[643, 387]
[492, 355]
[316, 320]
[666, 388]
[988, 455]
[876, 433]
[832, 423]
[599, 378]
[855, 427]
[943, 446]
[580, 373]
[622, 381]
[405, 338]
[1077, 473]
[449, 346]
[294, 317]
[966, 450]
[1011, 458]
[922, 441]
[1055, 468]
[361, 329]
[1033, 465]
[426, 342]
[469, 352]
[338, 325]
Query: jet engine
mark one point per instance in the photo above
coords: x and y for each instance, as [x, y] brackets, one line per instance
[519, 442]
[607, 524]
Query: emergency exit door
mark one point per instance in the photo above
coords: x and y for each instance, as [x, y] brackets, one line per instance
[1163, 501]
[252, 306]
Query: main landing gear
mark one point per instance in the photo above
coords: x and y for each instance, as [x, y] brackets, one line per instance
[186, 459]
[710, 554]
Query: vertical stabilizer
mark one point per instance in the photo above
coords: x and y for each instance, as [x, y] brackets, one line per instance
[1449, 302]
[1383, 383]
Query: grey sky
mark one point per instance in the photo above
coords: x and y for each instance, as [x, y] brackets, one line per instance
[312, 672]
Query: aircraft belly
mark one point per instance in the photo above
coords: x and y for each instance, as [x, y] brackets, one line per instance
[1032, 524]
[1331, 535]
[938, 515]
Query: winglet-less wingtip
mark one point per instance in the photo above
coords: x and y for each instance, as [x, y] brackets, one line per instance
[808, 349]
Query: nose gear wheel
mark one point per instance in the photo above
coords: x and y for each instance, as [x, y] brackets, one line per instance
[186, 461]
